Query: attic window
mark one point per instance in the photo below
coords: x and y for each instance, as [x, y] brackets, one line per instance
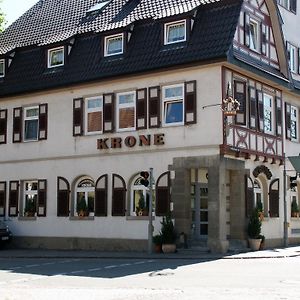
[113, 44]
[97, 7]
[175, 32]
[56, 57]
[2, 68]
[254, 35]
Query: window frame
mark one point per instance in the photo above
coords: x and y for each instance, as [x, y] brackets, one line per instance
[126, 105]
[294, 120]
[84, 190]
[137, 187]
[109, 37]
[91, 110]
[30, 192]
[293, 58]
[258, 34]
[30, 119]
[2, 62]
[271, 110]
[49, 65]
[169, 100]
[166, 31]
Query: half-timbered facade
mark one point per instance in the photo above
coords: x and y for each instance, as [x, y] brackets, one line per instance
[119, 86]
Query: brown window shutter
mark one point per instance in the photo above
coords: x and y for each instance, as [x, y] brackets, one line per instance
[298, 60]
[17, 125]
[240, 95]
[247, 29]
[154, 107]
[252, 108]
[278, 103]
[43, 121]
[63, 197]
[78, 116]
[13, 198]
[118, 196]
[287, 121]
[163, 194]
[274, 199]
[101, 196]
[108, 113]
[2, 198]
[190, 104]
[288, 48]
[42, 198]
[249, 195]
[260, 107]
[3, 126]
[141, 109]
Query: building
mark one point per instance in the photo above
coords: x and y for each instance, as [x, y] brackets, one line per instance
[94, 92]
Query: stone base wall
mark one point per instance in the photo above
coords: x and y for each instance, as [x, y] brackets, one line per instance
[68, 243]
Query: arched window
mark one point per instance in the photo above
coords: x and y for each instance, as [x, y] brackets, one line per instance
[139, 198]
[85, 197]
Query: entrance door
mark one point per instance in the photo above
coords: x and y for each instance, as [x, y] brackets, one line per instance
[199, 205]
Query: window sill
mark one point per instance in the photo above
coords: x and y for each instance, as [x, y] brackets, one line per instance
[23, 218]
[75, 218]
[295, 219]
[138, 218]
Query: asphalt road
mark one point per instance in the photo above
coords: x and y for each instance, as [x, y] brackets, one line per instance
[134, 279]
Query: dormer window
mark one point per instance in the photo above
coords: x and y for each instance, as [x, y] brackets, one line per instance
[56, 57]
[254, 35]
[2, 68]
[175, 32]
[113, 44]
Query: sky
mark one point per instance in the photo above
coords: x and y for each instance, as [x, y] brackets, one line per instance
[13, 9]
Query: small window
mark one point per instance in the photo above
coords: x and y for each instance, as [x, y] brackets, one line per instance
[31, 123]
[30, 198]
[85, 197]
[56, 57]
[254, 35]
[126, 111]
[173, 105]
[2, 68]
[113, 45]
[268, 114]
[294, 123]
[175, 32]
[93, 115]
[293, 58]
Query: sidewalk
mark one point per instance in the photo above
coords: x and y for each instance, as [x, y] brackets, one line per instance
[292, 251]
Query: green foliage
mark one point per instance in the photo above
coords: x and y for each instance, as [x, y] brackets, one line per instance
[167, 230]
[81, 205]
[294, 207]
[254, 225]
[2, 19]
[157, 239]
[259, 206]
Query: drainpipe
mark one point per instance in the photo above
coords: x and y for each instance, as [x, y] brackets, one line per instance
[285, 223]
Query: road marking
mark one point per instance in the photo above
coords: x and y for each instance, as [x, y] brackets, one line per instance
[110, 267]
[95, 269]
[125, 265]
[48, 264]
[139, 262]
[32, 266]
[76, 272]
[14, 268]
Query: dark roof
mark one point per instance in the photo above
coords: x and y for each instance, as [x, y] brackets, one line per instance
[51, 21]
[211, 38]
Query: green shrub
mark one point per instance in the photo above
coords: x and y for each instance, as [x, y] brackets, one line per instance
[167, 230]
[254, 225]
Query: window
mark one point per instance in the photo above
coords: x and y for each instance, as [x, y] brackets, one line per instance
[30, 198]
[139, 199]
[294, 123]
[294, 204]
[290, 5]
[94, 115]
[254, 35]
[126, 111]
[293, 58]
[113, 45]
[85, 197]
[56, 57]
[175, 32]
[258, 196]
[31, 123]
[173, 105]
[268, 114]
[2, 68]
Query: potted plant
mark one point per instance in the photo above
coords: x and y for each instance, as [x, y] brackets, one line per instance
[141, 209]
[157, 241]
[254, 230]
[168, 235]
[259, 208]
[294, 209]
[29, 210]
[81, 208]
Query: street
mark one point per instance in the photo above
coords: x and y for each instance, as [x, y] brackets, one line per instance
[86, 278]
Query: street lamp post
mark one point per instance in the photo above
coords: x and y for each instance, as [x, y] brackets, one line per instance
[150, 226]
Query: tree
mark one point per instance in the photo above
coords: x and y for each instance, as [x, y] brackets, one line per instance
[2, 18]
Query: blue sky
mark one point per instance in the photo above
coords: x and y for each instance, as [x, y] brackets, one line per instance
[13, 9]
